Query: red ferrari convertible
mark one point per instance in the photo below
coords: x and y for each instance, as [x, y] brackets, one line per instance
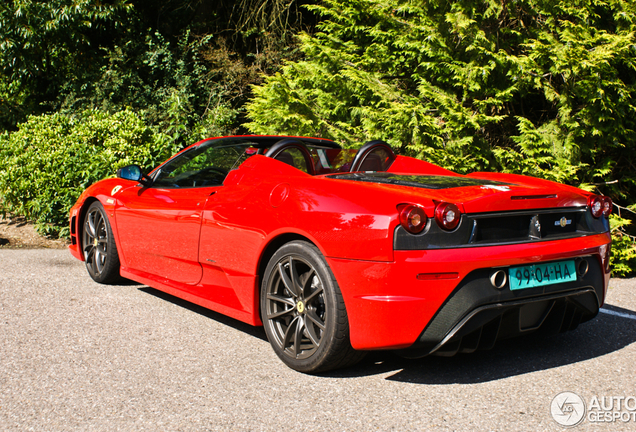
[341, 251]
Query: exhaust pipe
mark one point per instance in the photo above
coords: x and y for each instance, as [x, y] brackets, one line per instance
[499, 278]
[582, 267]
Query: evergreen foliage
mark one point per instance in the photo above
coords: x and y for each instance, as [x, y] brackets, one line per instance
[535, 87]
[623, 259]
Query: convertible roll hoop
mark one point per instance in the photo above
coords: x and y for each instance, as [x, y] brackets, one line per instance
[373, 156]
[283, 151]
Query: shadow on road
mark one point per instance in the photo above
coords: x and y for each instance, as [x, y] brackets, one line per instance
[257, 332]
[603, 335]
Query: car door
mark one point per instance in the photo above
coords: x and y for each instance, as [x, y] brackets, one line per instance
[159, 225]
[159, 230]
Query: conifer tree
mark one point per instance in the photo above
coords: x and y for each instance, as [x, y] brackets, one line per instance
[537, 87]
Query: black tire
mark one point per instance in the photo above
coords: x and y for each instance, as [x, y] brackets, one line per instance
[98, 243]
[303, 311]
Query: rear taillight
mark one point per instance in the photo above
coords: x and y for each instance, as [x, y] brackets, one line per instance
[412, 218]
[447, 216]
[607, 206]
[595, 203]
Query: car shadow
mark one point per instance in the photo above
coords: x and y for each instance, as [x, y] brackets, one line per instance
[256, 332]
[603, 335]
[127, 282]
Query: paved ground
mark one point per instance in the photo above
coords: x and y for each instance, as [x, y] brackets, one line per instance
[75, 355]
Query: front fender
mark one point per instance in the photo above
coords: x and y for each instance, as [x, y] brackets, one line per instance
[104, 191]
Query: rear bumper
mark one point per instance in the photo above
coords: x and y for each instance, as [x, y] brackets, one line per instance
[390, 308]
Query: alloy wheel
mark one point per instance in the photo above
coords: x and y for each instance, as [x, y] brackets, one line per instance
[295, 307]
[95, 241]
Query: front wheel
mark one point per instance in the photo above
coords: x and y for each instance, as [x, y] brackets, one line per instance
[303, 311]
[98, 243]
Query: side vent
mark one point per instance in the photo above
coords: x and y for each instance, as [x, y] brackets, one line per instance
[73, 231]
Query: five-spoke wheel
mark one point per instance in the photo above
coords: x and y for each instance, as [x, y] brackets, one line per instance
[303, 312]
[100, 251]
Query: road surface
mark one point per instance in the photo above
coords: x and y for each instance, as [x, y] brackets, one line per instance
[76, 355]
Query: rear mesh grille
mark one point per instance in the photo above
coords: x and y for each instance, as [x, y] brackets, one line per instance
[507, 228]
[503, 228]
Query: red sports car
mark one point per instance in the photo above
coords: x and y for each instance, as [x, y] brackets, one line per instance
[341, 251]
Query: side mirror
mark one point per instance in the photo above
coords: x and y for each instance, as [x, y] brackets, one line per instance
[133, 172]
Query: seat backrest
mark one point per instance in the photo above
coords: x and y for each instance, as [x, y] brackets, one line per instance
[286, 157]
[294, 153]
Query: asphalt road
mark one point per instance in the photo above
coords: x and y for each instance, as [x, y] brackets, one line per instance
[75, 355]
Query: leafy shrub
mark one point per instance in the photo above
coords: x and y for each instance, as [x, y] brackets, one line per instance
[168, 83]
[51, 159]
[43, 43]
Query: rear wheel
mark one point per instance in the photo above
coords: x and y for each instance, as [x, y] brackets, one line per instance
[98, 242]
[303, 311]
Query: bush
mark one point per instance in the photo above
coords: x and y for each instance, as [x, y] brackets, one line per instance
[623, 259]
[51, 159]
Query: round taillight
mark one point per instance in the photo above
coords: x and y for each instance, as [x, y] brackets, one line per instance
[447, 216]
[607, 206]
[413, 218]
[596, 205]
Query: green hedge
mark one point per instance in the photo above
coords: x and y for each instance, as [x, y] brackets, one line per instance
[51, 159]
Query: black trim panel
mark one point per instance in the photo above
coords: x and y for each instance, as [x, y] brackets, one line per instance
[415, 180]
[514, 227]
